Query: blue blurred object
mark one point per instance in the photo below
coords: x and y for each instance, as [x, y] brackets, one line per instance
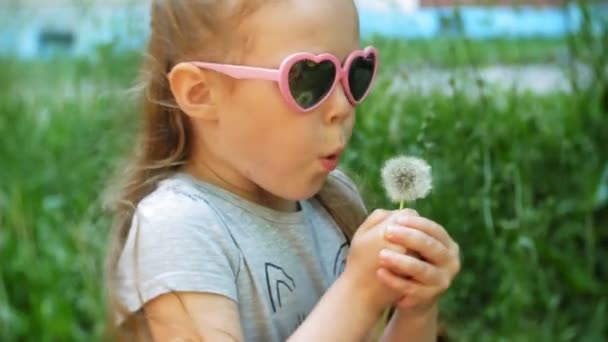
[474, 22]
[47, 31]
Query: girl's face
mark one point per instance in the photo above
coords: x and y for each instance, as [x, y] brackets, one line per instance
[259, 144]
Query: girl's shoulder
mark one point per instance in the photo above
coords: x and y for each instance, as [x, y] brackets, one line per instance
[182, 197]
[177, 242]
[177, 196]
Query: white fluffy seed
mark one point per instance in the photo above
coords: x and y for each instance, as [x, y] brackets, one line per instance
[406, 178]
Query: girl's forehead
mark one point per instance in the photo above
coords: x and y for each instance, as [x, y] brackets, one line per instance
[284, 27]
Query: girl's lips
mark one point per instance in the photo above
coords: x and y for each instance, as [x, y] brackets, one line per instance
[330, 163]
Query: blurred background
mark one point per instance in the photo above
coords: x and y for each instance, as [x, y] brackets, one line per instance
[507, 100]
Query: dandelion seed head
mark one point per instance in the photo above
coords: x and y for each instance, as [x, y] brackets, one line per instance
[406, 178]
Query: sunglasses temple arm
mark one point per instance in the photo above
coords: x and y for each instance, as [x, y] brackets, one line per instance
[242, 72]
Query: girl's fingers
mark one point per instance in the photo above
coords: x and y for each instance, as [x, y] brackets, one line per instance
[405, 212]
[408, 266]
[393, 281]
[408, 288]
[408, 302]
[395, 247]
[429, 227]
[376, 217]
[415, 240]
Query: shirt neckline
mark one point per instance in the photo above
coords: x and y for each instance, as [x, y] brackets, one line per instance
[245, 204]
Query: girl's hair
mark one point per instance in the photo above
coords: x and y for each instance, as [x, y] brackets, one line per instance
[186, 30]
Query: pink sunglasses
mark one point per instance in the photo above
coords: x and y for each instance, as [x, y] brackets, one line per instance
[307, 80]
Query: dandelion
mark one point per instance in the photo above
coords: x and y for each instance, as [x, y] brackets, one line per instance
[406, 179]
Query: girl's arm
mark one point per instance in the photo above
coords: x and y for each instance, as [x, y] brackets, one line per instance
[342, 314]
[185, 316]
[418, 328]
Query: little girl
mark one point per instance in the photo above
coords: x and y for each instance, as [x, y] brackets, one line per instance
[233, 223]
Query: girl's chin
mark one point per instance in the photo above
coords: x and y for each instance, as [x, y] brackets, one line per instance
[302, 192]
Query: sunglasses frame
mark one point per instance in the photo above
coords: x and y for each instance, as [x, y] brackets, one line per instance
[281, 75]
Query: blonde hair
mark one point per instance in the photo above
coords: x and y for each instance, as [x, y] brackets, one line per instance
[187, 30]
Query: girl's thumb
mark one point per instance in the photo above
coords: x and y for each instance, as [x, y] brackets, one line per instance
[375, 218]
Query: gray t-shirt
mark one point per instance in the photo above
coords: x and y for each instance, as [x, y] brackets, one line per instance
[192, 236]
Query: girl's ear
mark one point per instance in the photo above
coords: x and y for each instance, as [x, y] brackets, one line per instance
[192, 92]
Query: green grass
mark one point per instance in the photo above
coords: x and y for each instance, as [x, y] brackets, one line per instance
[63, 126]
[518, 179]
[453, 52]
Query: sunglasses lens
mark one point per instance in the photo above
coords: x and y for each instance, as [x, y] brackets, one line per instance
[309, 82]
[360, 76]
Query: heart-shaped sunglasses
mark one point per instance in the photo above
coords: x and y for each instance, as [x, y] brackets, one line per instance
[307, 80]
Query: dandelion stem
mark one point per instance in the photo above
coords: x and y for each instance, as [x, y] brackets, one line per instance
[402, 205]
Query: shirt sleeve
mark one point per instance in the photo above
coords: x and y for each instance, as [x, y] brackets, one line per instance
[176, 244]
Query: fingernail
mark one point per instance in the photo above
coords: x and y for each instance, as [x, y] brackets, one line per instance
[388, 232]
[385, 254]
[403, 220]
[391, 231]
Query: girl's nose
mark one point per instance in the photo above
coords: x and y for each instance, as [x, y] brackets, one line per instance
[338, 107]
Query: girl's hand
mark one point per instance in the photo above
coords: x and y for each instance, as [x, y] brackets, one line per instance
[362, 260]
[427, 270]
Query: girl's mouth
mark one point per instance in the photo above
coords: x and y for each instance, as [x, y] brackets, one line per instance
[331, 161]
